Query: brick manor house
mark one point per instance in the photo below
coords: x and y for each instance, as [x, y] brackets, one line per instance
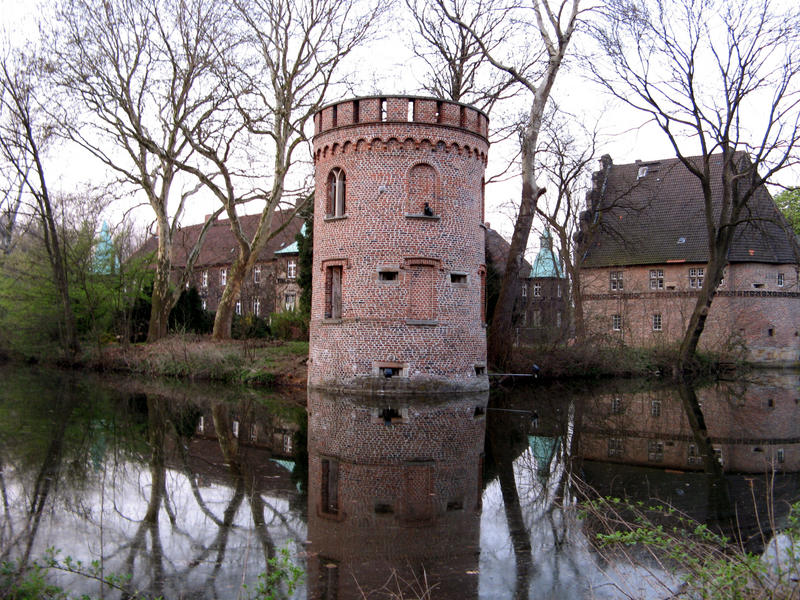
[644, 263]
[272, 283]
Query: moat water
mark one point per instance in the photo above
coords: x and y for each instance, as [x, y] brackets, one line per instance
[192, 488]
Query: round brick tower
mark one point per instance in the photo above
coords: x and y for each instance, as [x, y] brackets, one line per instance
[398, 293]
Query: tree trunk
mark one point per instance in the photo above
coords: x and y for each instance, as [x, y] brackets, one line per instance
[227, 304]
[163, 298]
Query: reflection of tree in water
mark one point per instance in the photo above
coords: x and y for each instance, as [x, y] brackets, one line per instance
[530, 451]
[101, 472]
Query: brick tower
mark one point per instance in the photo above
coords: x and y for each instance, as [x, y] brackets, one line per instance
[398, 294]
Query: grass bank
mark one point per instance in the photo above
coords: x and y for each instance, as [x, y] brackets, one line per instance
[592, 361]
[199, 358]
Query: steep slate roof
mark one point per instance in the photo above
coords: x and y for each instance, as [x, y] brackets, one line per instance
[546, 265]
[497, 249]
[659, 218]
[219, 246]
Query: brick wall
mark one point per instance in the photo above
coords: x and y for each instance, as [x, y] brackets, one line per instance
[758, 305]
[410, 282]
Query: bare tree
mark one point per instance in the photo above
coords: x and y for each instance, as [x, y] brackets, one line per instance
[292, 50]
[554, 24]
[26, 133]
[719, 77]
[564, 159]
[456, 67]
[135, 75]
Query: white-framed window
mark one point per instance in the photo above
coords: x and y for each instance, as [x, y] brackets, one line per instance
[204, 279]
[615, 447]
[537, 290]
[655, 451]
[235, 429]
[780, 279]
[223, 276]
[201, 424]
[780, 455]
[288, 446]
[656, 279]
[257, 274]
[524, 291]
[694, 457]
[256, 306]
[696, 278]
[558, 291]
[616, 406]
[238, 307]
[291, 269]
[290, 300]
[657, 322]
[204, 302]
[655, 408]
[616, 280]
[616, 322]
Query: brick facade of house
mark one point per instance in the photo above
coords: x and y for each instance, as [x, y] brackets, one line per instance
[644, 249]
[399, 245]
[272, 284]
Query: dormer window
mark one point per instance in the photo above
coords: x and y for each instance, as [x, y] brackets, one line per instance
[642, 172]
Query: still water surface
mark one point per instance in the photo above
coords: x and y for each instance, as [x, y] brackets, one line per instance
[190, 488]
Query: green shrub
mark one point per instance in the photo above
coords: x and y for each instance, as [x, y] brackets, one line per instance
[248, 327]
[289, 325]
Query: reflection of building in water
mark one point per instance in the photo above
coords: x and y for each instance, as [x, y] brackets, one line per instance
[262, 441]
[753, 428]
[394, 484]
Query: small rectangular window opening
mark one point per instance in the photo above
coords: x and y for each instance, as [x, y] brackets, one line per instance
[439, 112]
[387, 275]
[479, 412]
[356, 116]
[458, 278]
[384, 113]
[335, 117]
[383, 508]
[771, 332]
[462, 117]
[411, 110]
[390, 415]
[480, 370]
[455, 505]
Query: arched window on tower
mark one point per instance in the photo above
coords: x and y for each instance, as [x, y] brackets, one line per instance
[422, 191]
[335, 205]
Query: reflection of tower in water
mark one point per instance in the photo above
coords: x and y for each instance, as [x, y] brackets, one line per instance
[394, 486]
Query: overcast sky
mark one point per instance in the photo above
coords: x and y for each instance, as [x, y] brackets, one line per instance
[386, 66]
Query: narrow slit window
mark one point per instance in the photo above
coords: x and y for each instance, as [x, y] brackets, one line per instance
[458, 278]
[330, 486]
[356, 116]
[333, 292]
[384, 111]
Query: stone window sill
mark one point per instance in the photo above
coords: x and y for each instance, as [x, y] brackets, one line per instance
[329, 321]
[424, 217]
[328, 218]
[423, 322]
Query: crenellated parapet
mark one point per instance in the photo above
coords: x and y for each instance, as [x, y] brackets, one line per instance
[389, 110]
